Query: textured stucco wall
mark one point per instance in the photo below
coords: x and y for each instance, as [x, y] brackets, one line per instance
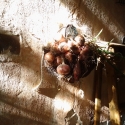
[37, 22]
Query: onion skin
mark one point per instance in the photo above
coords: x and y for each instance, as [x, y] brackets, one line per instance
[77, 71]
[63, 39]
[60, 38]
[49, 57]
[63, 69]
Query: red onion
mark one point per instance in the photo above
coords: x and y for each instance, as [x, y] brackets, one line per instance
[63, 47]
[49, 57]
[69, 56]
[58, 60]
[80, 40]
[63, 69]
[75, 49]
[85, 52]
[77, 71]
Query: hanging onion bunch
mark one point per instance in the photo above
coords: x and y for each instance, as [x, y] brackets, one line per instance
[70, 56]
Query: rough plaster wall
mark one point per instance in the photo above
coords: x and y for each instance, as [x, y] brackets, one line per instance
[37, 22]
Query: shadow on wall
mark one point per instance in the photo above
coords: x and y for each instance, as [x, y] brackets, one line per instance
[24, 111]
[8, 119]
[10, 41]
[96, 15]
[49, 92]
[12, 50]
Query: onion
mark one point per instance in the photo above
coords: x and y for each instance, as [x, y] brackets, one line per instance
[58, 60]
[77, 71]
[80, 40]
[69, 56]
[75, 49]
[54, 49]
[85, 52]
[63, 69]
[63, 47]
[49, 57]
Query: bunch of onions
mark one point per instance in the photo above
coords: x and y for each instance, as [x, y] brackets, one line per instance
[68, 57]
